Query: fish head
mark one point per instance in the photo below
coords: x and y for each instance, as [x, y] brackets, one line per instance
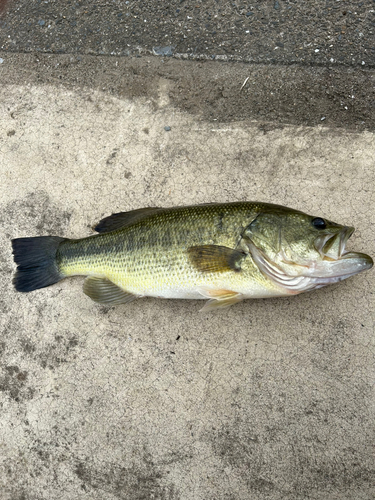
[300, 252]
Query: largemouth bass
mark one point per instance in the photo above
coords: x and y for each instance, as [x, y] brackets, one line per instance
[221, 252]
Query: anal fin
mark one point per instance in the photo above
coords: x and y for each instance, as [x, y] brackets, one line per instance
[104, 291]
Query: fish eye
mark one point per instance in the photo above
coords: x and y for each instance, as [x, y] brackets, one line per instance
[319, 223]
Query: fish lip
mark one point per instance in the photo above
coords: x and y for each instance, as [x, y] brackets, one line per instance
[366, 259]
[345, 234]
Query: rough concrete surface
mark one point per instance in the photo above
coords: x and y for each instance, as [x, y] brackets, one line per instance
[331, 97]
[270, 399]
[312, 32]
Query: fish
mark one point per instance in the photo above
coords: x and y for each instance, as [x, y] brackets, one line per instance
[223, 252]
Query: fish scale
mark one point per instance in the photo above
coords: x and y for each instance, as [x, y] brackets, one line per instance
[150, 257]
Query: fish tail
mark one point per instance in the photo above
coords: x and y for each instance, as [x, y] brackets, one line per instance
[36, 261]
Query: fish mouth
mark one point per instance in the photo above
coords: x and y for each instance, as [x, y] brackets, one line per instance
[333, 246]
[337, 263]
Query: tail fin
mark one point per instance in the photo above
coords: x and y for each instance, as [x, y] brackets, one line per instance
[36, 261]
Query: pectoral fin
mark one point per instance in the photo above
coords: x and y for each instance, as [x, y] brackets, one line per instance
[105, 292]
[219, 299]
[215, 259]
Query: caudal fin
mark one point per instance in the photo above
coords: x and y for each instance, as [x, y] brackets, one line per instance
[36, 262]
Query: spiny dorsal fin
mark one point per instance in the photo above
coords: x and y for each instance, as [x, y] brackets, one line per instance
[105, 292]
[215, 259]
[123, 219]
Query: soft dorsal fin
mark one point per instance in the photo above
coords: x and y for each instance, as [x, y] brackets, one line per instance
[105, 292]
[123, 219]
[215, 259]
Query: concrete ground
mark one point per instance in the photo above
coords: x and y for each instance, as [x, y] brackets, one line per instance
[270, 399]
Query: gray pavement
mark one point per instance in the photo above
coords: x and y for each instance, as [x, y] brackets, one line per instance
[270, 399]
[313, 32]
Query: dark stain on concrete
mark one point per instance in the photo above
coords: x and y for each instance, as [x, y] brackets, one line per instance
[125, 483]
[112, 157]
[21, 496]
[292, 94]
[4, 307]
[27, 346]
[239, 447]
[104, 310]
[36, 215]
[62, 350]
[2, 348]
[294, 453]
[13, 382]
[333, 354]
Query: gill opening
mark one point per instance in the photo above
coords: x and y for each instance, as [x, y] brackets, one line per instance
[291, 284]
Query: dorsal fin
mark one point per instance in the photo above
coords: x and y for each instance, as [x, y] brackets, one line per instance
[123, 219]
